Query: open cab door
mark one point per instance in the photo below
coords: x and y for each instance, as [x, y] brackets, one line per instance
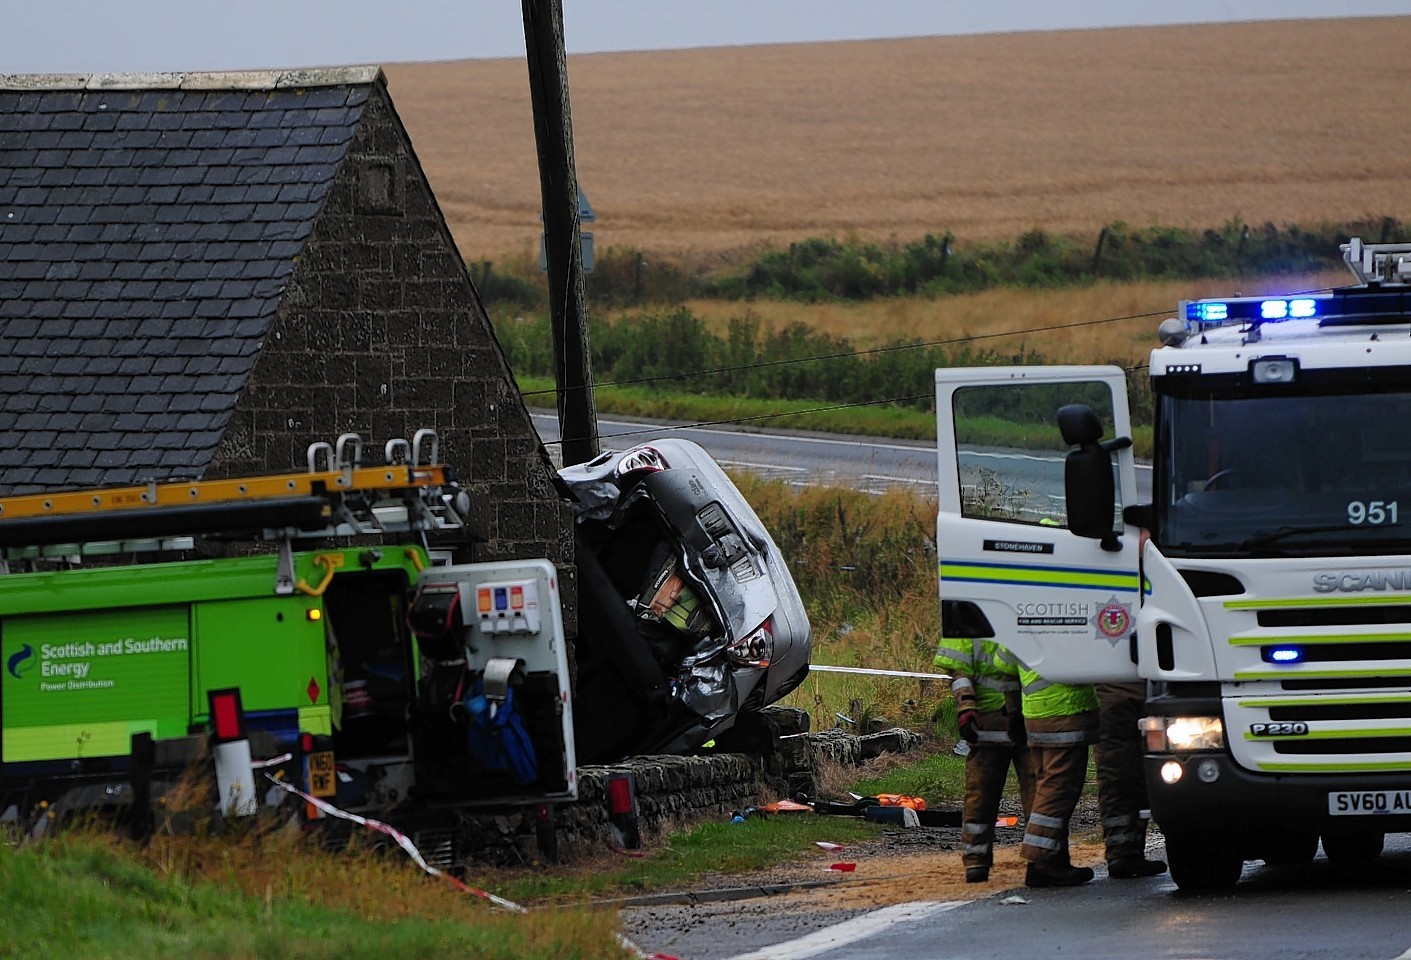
[1029, 534]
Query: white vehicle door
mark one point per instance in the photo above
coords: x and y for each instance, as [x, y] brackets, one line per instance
[1009, 566]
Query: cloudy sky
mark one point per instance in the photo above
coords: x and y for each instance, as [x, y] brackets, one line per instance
[85, 36]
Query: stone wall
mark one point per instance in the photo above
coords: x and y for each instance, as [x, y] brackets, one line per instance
[381, 332]
[767, 756]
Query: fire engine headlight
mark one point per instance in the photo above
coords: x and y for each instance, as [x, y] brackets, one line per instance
[1176, 734]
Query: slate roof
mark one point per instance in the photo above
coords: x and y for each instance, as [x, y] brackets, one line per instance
[148, 225]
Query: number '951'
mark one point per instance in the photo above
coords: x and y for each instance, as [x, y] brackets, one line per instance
[1374, 513]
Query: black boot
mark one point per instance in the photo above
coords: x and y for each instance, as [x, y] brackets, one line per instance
[977, 874]
[1130, 868]
[1056, 875]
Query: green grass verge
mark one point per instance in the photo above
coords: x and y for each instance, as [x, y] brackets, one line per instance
[877, 421]
[86, 895]
[83, 897]
[704, 855]
[938, 778]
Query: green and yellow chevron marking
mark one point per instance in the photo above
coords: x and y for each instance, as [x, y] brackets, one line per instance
[1374, 766]
[1320, 700]
[1275, 603]
[1250, 640]
[1320, 674]
[1038, 576]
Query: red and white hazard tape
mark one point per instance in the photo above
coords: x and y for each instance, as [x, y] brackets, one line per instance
[406, 844]
[403, 841]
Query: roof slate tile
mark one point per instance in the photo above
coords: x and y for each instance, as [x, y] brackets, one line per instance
[137, 214]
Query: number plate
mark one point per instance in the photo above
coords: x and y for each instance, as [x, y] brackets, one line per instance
[1358, 803]
[319, 774]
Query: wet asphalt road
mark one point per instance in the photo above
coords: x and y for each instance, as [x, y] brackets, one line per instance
[1312, 912]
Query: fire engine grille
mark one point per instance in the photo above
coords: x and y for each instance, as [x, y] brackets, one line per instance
[1314, 711]
[1336, 732]
[1342, 746]
[1334, 616]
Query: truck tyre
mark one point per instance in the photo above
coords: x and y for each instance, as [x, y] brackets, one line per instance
[1354, 847]
[1199, 864]
[1290, 849]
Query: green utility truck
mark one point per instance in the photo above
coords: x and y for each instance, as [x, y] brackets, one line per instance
[372, 669]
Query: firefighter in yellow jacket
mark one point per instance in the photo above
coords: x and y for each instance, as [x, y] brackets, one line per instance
[985, 686]
[1062, 721]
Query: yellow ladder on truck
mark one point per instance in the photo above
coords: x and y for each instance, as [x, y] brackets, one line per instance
[172, 493]
[342, 473]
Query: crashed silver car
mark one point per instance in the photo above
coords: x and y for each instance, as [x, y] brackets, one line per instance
[687, 612]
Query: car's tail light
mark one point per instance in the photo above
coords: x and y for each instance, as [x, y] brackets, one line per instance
[754, 649]
[642, 459]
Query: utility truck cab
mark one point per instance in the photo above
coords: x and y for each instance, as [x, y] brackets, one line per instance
[1257, 577]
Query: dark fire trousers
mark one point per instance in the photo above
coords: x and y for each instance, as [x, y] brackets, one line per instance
[986, 771]
[1058, 753]
[1121, 781]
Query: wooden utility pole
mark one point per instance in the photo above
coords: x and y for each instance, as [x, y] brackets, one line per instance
[563, 234]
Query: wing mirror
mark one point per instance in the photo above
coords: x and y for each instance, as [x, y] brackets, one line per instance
[1087, 475]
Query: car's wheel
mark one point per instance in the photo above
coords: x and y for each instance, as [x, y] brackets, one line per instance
[1289, 849]
[1354, 847]
[1201, 864]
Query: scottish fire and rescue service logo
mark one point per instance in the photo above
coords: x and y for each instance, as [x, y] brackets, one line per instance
[1113, 621]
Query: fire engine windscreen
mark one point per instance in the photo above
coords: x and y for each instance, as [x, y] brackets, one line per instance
[1293, 472]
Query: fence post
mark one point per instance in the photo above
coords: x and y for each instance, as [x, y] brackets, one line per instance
[1097, 253]
[139, 770]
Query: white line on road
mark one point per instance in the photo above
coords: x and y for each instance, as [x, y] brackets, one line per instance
[760, 466]
[885, 478]
[874, 672]
[850, 931]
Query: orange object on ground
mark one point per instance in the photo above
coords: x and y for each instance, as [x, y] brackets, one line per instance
[901, 800]
[1007, 822]
[785, 806]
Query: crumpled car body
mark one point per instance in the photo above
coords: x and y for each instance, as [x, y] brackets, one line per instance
[688, 614]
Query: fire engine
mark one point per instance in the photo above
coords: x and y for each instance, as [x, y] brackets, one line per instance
[1257, 575]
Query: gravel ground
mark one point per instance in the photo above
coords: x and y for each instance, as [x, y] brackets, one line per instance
[899, 865]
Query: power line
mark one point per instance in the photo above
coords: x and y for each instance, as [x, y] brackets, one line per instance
[863, 353]
[862, 403]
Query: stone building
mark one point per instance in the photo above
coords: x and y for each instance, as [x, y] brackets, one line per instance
[201, 274]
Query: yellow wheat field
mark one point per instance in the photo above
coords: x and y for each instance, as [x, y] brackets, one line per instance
[1105, 321]
[703, 154]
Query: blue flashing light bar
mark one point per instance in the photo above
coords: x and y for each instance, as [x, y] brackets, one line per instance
[1254, 309]
[1343, 307]
[1285, 655]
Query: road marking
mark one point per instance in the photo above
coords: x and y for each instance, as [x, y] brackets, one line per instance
[889, 479]
[850, 931]
[873, 672]
[760, 466]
